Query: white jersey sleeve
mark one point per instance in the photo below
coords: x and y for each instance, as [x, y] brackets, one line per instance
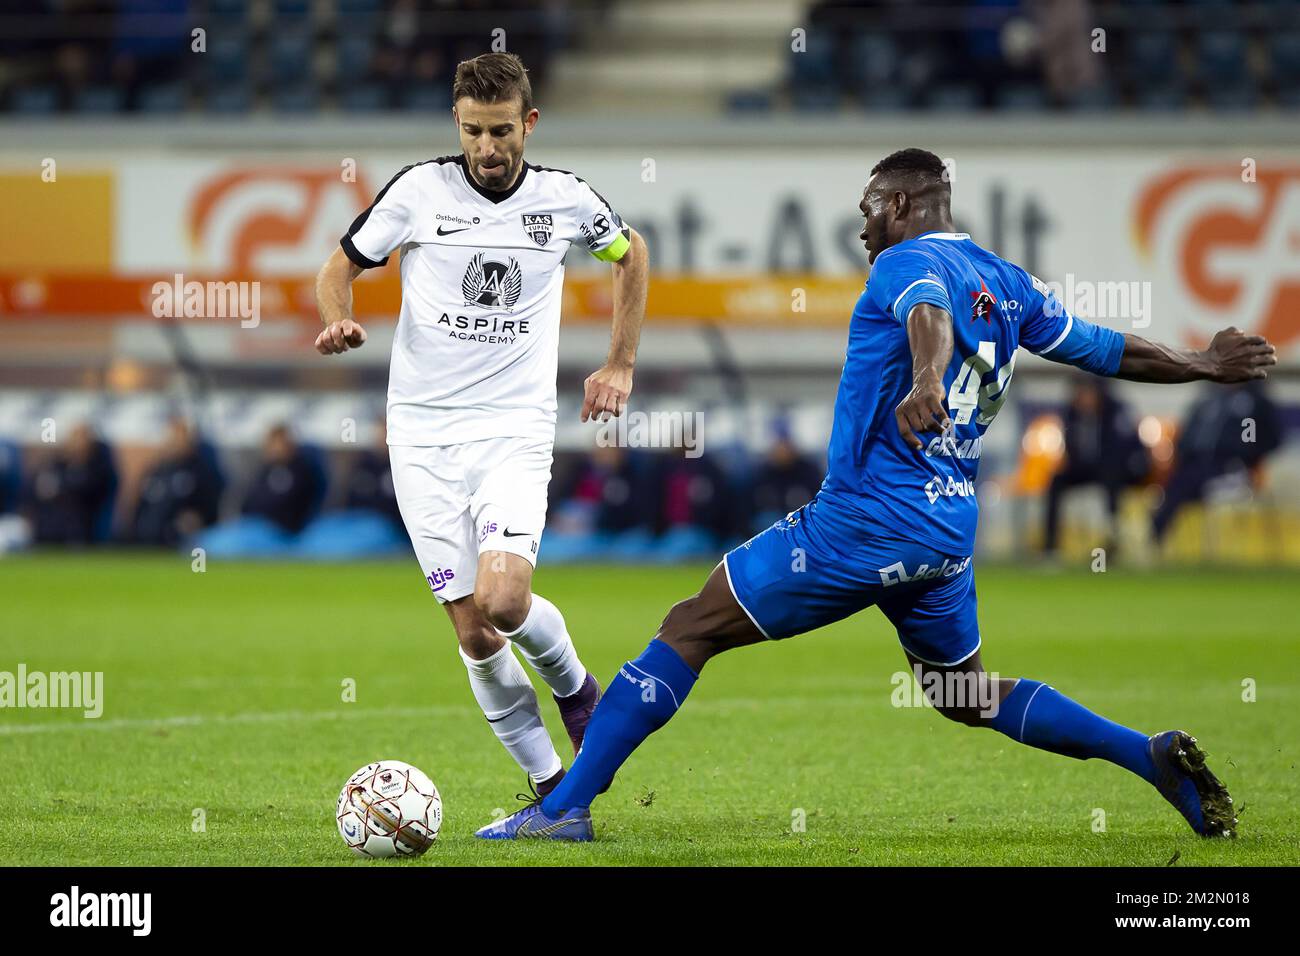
[606, 237]
[387, 224]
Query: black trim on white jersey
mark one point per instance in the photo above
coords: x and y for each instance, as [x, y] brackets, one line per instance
[551, 169]
[488, 194]
[349, 248]
[353, 253]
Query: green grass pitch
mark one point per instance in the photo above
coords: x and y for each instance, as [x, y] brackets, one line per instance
[223, 692]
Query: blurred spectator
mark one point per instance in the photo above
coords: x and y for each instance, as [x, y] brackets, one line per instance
[695, 496]
[785, 481]
[288, 485]
[1228, 434]
[1101, 448]
[70, 496]
[151, 45]
[1069, 65]
[11, 477]
[608, 494]
[369, 484]
[181, 492]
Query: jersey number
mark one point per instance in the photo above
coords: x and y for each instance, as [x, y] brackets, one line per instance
[967, 394]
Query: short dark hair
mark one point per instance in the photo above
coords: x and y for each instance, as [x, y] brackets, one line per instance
[493, 78]
[918, 167]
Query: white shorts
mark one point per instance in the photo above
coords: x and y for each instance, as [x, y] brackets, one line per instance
[460, 500]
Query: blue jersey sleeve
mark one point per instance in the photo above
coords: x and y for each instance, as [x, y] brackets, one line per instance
[1051, 331]
[902, 279]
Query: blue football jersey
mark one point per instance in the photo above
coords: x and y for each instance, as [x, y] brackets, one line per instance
[996, 306]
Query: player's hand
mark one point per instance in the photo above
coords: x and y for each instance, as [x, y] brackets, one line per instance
[922, 410]
[605, 393]
[339, 337]
[1237, 357]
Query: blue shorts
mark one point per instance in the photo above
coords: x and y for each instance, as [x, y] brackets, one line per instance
[817, 565]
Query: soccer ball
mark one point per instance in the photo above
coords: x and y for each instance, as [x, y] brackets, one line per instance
[389, 808]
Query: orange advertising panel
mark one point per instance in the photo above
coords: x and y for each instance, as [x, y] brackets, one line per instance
[63, 225]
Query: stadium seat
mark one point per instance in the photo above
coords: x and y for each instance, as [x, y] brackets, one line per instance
[684, 543]
[1152, 55]
[1288, 99]
[426, 99]
[102, 531]
[34, 100]
[816, 99]
[743, 102]
[244, 538]
[292, 8]
[358, 16]
[1099, 97]
[348, 535]
[316, 460]
[290, 53]
[1221, 59]
[164, 98]
[953, 97]
[873, 59]
[1284, 60]
[1020, 98]
[100, 99]
[815, 66]
[11, 476]
[227, 58]
[886, 99]
[1158, 99]
[236, 98]
[363, 98]
[300, 97]
[353, 55]
[1236, 98]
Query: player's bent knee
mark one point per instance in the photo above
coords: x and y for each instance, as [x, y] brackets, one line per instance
[479, 643]
[686, 631]
[682, 625]
[504, 606]
[969, 716]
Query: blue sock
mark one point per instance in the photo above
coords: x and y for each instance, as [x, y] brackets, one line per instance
[1042, 717]
[640, 700]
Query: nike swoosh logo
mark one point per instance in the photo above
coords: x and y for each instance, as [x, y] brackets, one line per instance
[517, 534]
[448, 232]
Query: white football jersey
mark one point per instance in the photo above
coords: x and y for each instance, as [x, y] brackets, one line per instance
[477, 342]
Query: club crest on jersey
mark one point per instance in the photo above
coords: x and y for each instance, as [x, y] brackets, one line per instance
[983, 305]
[539, 227]
[492, 284]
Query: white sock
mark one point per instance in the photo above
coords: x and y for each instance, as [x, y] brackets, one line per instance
[502, 689]
[545, 643]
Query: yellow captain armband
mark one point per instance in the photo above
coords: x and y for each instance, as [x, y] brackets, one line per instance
[616, 249]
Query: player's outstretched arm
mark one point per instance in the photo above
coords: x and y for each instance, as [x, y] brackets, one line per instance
[606, 390]
[924, 408]
[334, 302]
[1232, 356]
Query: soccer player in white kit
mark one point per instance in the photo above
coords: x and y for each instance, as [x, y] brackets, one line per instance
[471, 391]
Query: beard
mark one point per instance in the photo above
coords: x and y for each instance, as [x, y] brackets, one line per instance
[503, 183]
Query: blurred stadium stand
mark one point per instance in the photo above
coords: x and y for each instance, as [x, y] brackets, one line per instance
[360, 56]
[226, 165]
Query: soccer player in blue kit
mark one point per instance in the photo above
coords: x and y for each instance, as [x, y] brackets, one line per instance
[931, 352]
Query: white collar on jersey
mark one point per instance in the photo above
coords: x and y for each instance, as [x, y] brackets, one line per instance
[945, 235]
